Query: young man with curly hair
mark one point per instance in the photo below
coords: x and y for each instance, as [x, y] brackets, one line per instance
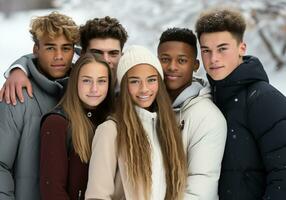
[254, 160]
[104, 36]
[54, 37]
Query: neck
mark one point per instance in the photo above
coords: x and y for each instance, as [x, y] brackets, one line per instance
[173, 94]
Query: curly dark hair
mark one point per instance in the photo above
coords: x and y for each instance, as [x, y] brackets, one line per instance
[105, 27]
[218, 20]
[180, 34]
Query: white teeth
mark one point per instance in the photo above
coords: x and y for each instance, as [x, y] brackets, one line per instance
[143, 97]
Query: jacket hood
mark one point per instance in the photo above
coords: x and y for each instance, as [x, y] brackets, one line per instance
[51, 87]
[251, 70]
[197, 90]
[248, 72]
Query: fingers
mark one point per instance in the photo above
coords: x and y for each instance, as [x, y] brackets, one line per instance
[19, 93]
[13, 94]
[7, 92]
[29, 88]
[2, 92]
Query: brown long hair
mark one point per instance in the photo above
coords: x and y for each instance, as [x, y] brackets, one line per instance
[135, 148]
[82, 129]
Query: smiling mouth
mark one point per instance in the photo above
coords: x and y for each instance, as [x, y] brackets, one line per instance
[59, 66]
[92, 96]
[144, 98]
[216, 67]
[172, 77]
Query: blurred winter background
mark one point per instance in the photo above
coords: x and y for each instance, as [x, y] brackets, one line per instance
[146, 19]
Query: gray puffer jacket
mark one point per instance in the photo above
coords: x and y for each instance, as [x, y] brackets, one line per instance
[19, 138]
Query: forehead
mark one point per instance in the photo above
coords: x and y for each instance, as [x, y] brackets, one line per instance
[105, 44]
[175, 48]
[58, 40]
[94, 69]
[217, 38]
[142, 70]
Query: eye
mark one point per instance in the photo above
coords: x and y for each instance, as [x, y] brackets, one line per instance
[102, 81]
[67, 49]
[204, 51]
[96, 51]
[134, 81]
[114, 53]
[50, 48]
[221, 49]
[182, 61]
[164, 60]
[152, 80]
[87, 81]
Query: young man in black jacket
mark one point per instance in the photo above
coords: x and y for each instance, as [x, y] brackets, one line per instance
[254, 162]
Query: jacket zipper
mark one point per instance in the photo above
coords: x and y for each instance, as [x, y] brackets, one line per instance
[79, 195]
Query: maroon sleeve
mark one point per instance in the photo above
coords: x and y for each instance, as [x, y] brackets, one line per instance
[54, 158]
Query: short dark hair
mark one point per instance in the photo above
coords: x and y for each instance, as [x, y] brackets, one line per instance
[218, 20]
[181, 35]
[105, 27]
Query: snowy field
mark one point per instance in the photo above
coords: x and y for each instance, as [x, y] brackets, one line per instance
[144, 21]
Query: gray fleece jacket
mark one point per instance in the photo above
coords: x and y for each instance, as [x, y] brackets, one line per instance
[20, 138]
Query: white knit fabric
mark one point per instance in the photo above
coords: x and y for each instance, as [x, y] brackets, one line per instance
[149, 120]
[135, 55]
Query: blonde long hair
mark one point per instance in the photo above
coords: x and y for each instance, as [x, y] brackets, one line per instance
[135, 148]
[82, 129]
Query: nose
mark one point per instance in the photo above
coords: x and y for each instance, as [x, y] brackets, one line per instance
[172, 66]
[106, 57]
[58, 55]
[94, 87]
[214, 57]
[144, 87]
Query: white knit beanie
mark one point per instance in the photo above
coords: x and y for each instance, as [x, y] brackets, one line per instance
[135, 55]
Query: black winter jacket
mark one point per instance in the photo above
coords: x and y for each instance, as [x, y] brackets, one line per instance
[254, 163]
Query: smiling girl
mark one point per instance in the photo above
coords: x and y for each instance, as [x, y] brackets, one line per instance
[141, 151]
[67, 132]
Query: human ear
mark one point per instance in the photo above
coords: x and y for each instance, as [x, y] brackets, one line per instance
[196, 65]
[35, 50]
[242, 49]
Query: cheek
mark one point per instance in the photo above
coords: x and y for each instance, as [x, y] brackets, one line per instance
[164, 66]
[104, 90]
[115, 61]
[154, 87]
[131, 89]
[205, 58]
[80, 89]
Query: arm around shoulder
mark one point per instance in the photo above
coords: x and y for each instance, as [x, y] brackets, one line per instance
[21, 63]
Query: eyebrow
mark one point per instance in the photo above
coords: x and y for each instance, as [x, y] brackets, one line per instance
[164, 54]
[85, 76]
[223, 44]
[53, 44]
[136, 77]
[100, 51]
[220, 45]
[180, 55]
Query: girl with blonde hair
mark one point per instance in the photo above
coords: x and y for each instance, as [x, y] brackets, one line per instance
[138, 153]
[67, 131]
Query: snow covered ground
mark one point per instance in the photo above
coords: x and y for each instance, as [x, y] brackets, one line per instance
[144, 21]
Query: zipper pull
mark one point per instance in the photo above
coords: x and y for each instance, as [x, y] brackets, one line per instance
[79, 195]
